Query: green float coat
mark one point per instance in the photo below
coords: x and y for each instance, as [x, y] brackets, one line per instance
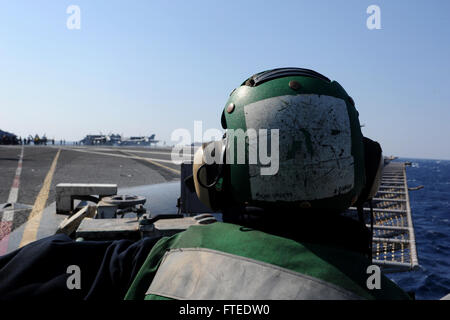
[343, 268]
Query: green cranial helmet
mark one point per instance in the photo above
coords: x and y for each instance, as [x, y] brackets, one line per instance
[293, 140]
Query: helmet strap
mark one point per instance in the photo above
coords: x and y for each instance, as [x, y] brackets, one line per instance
[361, 219]
[371, 230]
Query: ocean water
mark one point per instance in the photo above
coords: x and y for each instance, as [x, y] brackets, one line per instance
[430, 209]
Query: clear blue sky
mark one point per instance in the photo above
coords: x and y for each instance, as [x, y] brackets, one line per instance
[141, 67]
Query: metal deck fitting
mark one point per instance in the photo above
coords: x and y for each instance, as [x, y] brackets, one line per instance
[393, 243]
[67, 192]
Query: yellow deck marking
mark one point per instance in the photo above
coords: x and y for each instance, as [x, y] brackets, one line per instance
[32, 225]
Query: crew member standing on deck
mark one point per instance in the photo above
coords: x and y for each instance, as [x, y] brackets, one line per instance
[283, 235]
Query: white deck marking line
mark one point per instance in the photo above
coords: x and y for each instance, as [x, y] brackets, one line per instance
[154, 162]
[14, 192]
[131, 150]
[151, 160]
[6, 223]
[34, 219]
[168, 152]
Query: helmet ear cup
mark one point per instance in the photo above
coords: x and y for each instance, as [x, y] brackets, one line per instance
[373, 163]
[210, 177]
[197, 172]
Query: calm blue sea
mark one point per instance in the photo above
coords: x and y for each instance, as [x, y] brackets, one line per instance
[430, 208]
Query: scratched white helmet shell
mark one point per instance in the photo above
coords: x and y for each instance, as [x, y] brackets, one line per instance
[313, 156]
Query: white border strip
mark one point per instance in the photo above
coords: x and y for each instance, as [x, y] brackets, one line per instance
[14, 193]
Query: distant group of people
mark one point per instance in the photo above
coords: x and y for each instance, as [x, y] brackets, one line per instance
[13, 140]
[36, 140]
[43, 141]
[26, 140]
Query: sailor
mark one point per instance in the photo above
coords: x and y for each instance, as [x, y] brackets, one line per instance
[283, 235]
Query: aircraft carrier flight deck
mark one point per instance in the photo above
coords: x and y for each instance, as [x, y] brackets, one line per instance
[30, 173]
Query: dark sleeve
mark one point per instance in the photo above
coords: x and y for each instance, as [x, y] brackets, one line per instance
[39, 270]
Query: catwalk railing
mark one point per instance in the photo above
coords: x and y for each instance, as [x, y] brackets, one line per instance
[393, 243]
